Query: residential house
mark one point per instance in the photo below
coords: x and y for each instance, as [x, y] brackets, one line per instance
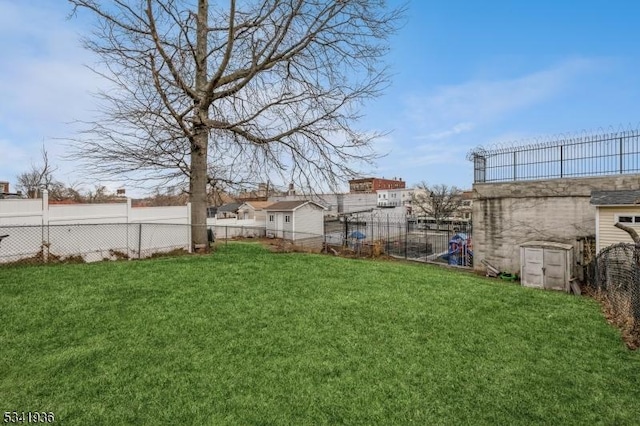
[612, 207]
[254, 210]
[228, 211]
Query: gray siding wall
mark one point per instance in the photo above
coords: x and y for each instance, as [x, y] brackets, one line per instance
[506, 215]
[358, 202]
[309, 220]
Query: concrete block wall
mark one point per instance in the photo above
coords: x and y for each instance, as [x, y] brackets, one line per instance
[507, 214]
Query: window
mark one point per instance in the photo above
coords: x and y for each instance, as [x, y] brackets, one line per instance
[287, 218]
[271, 218]
[628, 219]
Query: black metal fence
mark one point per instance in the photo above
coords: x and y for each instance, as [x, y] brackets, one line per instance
[586, 155]
[403, 237]
[90, 242]
[615, 280]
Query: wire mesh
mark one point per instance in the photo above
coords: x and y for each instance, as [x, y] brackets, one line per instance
[358, 236]
[90, 242]
[616, 282]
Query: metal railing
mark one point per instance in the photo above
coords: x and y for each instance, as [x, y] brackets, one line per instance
[406, 238]
[585, 155]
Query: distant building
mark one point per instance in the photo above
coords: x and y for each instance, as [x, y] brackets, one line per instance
[395, 197]
[4, 187]
[262, 193]
[371, 185]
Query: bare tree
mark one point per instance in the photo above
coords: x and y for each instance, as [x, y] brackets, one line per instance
[629, 230]
[40, 177]
[436, 201]
[258, 88]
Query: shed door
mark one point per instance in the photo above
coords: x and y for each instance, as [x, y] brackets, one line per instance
[533, 263]
[554, 264]
[280, 225]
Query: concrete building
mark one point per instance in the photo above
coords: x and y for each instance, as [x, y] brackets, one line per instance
[508, 214]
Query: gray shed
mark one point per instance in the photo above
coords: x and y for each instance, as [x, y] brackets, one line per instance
[545, 264]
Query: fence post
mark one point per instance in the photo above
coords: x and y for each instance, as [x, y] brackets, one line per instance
[46, 240]
[426, 244]
[139, 240]
[406, 236]
[387, 237]
[346, 232]
[621, 157]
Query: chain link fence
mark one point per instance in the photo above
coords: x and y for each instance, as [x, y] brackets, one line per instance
[615, 281]
[357, 236]
[403, 237]
[90, 242]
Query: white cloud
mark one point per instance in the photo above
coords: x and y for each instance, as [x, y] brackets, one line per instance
[457, 109]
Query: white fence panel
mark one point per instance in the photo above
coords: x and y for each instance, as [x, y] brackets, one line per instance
[88, 213]
[94, 231]
[171, 214]
[21, 212]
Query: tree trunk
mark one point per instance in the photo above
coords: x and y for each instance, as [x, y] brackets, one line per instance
[198, 190]
[200, 142]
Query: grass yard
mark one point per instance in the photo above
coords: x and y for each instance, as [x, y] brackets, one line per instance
[246, 336]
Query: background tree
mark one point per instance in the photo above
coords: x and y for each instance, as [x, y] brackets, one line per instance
[436, 201]
[38, 178]
[258, 88]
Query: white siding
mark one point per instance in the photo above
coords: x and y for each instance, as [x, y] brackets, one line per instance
[309, 221]
[609, 234]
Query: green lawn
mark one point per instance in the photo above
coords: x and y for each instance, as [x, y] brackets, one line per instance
[245, 336]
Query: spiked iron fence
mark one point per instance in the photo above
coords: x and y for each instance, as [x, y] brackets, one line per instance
[587, 155]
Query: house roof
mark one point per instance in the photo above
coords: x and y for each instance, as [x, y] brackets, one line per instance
[291, 205]
[259, 205]
[229, 207]
[615, 198]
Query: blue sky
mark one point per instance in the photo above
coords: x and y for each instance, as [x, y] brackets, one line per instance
[465, 73]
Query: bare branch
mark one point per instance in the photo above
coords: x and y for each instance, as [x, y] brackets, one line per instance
[632, 232]
[254, 90]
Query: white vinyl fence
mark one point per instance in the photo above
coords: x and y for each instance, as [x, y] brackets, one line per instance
[90, 232]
